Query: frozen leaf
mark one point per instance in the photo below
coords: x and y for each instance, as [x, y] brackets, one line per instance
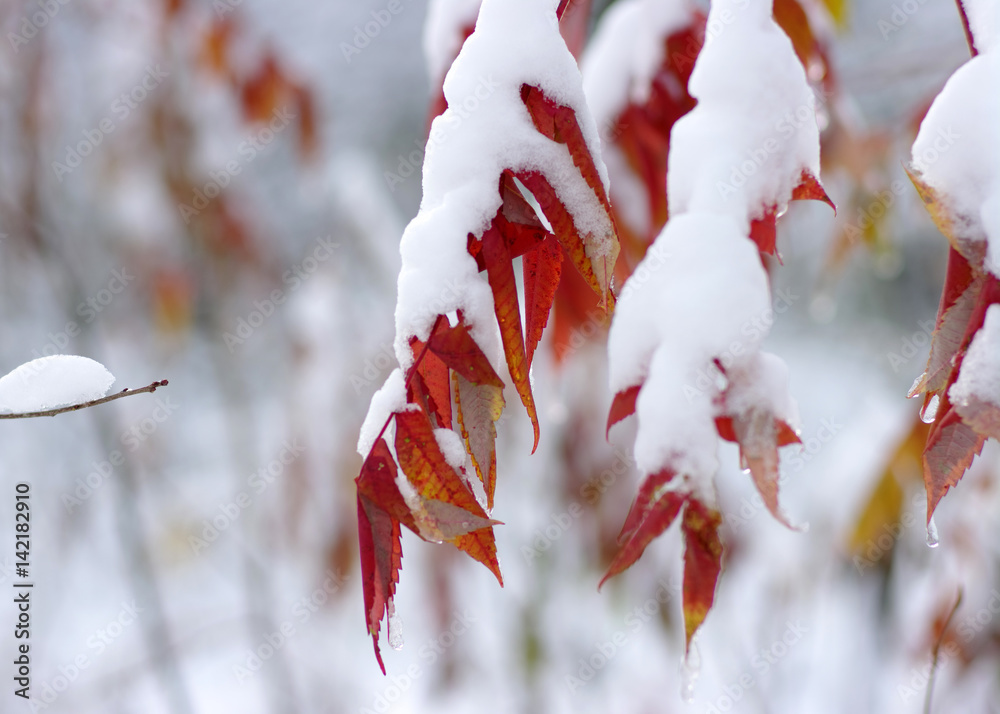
[479, 407]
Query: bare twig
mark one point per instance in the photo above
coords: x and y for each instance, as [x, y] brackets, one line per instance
[93, 403]
[936, 652]
[965, 26]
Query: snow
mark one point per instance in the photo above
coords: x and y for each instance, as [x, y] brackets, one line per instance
[984, 21]
[742, 149]
[387, 400]
[957, 151]
[443, 33]
[485, 130]
[980, 374]
[52, 382]
[762, 382]
[699, 294]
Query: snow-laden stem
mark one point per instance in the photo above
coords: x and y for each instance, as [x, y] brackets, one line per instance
[83, 405]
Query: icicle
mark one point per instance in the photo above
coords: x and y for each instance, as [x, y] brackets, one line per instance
[932, 534]
[690, 669]
[395, 628]
[929, 412]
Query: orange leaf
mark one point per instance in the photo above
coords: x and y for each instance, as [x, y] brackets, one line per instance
[500, 273]
[433, 477]
[702, 562]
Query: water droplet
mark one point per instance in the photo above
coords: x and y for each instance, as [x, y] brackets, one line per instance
[395, 628]
[690, 669]
[744, 464]
[929, 411]
[932, 534]
[915, 386]
[804, 528]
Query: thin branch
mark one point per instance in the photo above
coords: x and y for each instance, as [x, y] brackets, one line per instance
[965, 26]
[937, 650]
[93, 403]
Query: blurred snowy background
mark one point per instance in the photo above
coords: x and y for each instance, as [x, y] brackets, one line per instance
[200, 191]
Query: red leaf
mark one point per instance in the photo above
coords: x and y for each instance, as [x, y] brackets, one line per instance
[377, 482]
[500, 273]
[381, 556]
[764, 232]
[599, 277]
[622, 406]
[457, 349]
[757, 435]
[650, 515]
[951, 447]
[809, 188]
[702, 562]
[429, 385]
[542, 268]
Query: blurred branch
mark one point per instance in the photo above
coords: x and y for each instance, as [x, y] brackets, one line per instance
[93, 403]
[937, 651]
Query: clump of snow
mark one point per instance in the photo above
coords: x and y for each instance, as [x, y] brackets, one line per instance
[984, 21]
[742, 149]
[451, 447]
[761, 382]
[957, 151]
[698, 298]
[53, 382]
[979, 377]
[387, 400]
[692, 299]
[443, 33]
[485, 130]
